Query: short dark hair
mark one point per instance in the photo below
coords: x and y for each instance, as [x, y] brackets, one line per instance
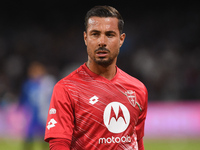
[104, 11]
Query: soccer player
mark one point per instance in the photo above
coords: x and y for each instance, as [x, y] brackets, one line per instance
[98, 106]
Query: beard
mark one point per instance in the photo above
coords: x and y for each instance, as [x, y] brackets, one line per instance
[105, 61]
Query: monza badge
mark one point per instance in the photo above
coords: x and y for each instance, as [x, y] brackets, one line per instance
[131, 95]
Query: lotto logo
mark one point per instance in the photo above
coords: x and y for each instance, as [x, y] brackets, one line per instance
[93, 100]
[116, 117]
[51, 123]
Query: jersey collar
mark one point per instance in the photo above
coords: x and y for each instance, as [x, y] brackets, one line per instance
[95, 76]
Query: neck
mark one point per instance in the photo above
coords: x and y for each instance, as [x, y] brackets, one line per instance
[107, 72]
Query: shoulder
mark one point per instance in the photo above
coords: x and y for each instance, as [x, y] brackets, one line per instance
[131, 81]
[65, 88]
[133, 84]
[74, 78]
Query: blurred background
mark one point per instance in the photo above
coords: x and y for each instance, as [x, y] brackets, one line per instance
[42, 41]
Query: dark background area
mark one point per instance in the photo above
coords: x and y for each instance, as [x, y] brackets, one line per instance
[162, 45]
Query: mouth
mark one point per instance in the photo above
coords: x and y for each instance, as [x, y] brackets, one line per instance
[102, 53]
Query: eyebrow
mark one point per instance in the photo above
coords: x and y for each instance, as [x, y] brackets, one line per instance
[97, 31]
[111, 32]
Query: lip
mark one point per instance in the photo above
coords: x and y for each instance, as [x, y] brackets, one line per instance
[101, 53]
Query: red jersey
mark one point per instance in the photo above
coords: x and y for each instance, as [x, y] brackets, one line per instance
[96, 113]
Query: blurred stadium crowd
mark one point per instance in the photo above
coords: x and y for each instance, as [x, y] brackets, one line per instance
[162, 49]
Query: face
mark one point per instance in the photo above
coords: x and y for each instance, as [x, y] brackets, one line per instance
[103, 40]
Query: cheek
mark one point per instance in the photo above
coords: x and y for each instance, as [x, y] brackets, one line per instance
[114, 44]
[90, 49]
[91, 43]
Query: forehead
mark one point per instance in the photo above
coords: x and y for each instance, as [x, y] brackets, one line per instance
[103, 23]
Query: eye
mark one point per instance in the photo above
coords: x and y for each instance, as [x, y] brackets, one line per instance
[95, 34]
[110, 34]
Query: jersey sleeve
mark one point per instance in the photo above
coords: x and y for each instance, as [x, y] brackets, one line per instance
[60, 120]
[142, 117]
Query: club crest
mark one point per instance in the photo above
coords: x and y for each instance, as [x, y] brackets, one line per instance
[131, 95]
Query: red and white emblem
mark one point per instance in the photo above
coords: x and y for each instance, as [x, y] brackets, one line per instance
[131, 95]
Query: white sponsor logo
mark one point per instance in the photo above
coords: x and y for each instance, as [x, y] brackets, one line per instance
[93, 100]
[123, 139]
[52, 111]
[116, 117]
[51, 123]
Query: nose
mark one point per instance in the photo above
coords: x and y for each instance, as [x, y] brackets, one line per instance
[102, 41]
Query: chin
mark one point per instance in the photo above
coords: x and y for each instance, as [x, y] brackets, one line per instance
[104, 62]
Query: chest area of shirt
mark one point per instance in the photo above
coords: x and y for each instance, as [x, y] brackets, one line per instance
[106, 104]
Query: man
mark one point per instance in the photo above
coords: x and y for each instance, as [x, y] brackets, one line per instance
[35, 95]
[98, 106]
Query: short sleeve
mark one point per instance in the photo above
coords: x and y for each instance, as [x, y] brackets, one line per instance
[142, 117]
[60, 120]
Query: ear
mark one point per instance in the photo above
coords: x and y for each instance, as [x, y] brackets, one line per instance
[85, 37]
[122, 38]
